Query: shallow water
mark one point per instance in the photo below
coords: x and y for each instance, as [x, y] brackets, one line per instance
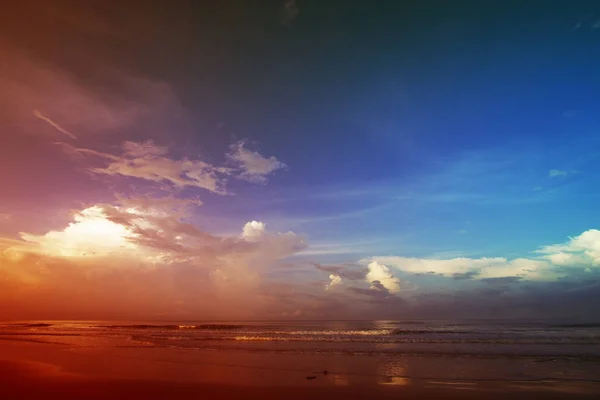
[406, 349]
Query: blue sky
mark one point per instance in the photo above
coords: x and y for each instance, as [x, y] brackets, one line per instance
[445, 141]
[386, 137]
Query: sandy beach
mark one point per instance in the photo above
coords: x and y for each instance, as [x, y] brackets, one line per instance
[35, 370]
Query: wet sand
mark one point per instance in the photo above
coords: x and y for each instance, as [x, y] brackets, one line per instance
[43, 370]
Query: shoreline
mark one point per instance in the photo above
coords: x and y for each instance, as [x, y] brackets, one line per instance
[31, 370]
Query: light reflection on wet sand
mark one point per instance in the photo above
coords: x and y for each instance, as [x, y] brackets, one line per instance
[255, 369]
[395, 380]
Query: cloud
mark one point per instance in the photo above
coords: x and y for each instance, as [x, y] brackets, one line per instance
[569, 298]
[151, 162]
[90, 233]
[352, 272]
[381, 274]
[579, 250]
[253, 230]
[505, 280]
[465, 275]
[550, 264]
[143, 149]
[142, 258]
[555, 173]
[253, 166]
[469, 268]
[379, 292]
[333, 280]
[147, 161]
[53, 124]
[138, 258]
[376, 285]
[378, 276]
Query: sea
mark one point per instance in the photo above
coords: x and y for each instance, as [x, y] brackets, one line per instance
[415, 349]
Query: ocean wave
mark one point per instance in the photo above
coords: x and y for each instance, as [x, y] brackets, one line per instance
[397, 340]
[333, 332]
[26, 325]
[583, 325]
[535, 355]
[216, 327]
[431, 331]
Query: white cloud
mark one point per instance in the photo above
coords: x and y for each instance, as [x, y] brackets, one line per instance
[565, 259]
[254, 167]
[579, 251]
[582, 249]
[253, 230]
[555, 173]
[333, 280]
[381, 273]
[480, 268]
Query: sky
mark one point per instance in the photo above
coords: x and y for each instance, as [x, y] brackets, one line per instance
[299, 159]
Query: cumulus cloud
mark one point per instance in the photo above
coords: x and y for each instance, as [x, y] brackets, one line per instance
[550, 264]
[253, 230]
[90, 233]
[376, 285]
[141, 254]
[381, 274]
[253, 166]
[377, 276]
[579, 250]
[333, 280]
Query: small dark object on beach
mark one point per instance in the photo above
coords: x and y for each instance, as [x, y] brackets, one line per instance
[325, 372]
[311, 377]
